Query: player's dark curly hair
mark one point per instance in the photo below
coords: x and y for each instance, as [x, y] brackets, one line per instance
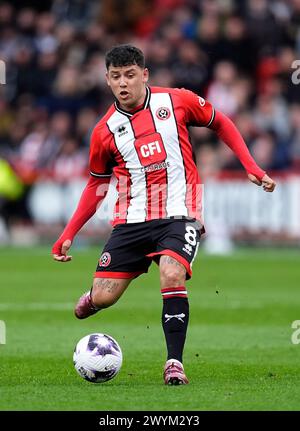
[124, 55]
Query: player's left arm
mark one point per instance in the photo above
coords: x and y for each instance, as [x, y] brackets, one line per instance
[199, 112]
[230, 135]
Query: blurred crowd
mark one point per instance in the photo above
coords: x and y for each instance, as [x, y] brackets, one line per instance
[237, 54]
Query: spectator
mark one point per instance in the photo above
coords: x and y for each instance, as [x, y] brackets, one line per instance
[220, 92]
[295, 135]
[71, 162]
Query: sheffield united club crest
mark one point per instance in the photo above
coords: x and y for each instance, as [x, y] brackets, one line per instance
[163, 113]
[105, 259]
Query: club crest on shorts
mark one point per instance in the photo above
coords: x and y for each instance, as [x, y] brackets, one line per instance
[105, 259]
[163, 113]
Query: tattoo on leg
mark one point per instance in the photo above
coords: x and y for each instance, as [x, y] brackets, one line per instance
[108, 285]
[170, 260]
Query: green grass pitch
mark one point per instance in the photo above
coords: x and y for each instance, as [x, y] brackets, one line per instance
[238, 356]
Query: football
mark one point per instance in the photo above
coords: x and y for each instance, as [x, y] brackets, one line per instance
[97, 357]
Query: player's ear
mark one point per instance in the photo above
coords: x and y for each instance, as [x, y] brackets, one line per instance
[107, 79]
[145, 75]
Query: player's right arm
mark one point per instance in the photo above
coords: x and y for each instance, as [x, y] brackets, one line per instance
[92, 196]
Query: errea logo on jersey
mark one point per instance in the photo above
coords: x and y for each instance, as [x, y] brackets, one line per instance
[150, 149]
[122, 131]
[201, 101]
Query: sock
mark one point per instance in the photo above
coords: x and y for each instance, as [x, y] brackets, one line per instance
[175, 318]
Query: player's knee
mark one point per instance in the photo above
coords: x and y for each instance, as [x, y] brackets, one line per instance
[103, 297]
[172, 276]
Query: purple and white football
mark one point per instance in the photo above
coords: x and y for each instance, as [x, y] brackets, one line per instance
[97, 357]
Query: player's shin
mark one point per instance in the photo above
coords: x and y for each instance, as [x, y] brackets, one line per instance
[175, 318]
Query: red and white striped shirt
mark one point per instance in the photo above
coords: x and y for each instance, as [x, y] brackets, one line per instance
[151, 155]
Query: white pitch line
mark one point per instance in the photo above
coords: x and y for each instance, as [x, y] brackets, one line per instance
[37, 306]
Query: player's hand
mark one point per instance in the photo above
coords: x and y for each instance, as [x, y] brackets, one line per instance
[60, 251]
[267, 182]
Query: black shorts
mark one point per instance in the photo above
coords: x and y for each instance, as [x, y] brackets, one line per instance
[132, 246]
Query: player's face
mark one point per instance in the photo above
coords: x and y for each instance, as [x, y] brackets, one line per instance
[128, 84]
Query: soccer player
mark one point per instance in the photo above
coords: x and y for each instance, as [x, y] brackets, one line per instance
[143, 139]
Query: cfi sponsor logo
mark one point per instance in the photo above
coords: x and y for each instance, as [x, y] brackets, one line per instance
[163, 113]
[150, 149]
[105, 259]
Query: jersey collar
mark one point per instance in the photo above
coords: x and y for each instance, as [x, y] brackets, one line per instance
[145, 105]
